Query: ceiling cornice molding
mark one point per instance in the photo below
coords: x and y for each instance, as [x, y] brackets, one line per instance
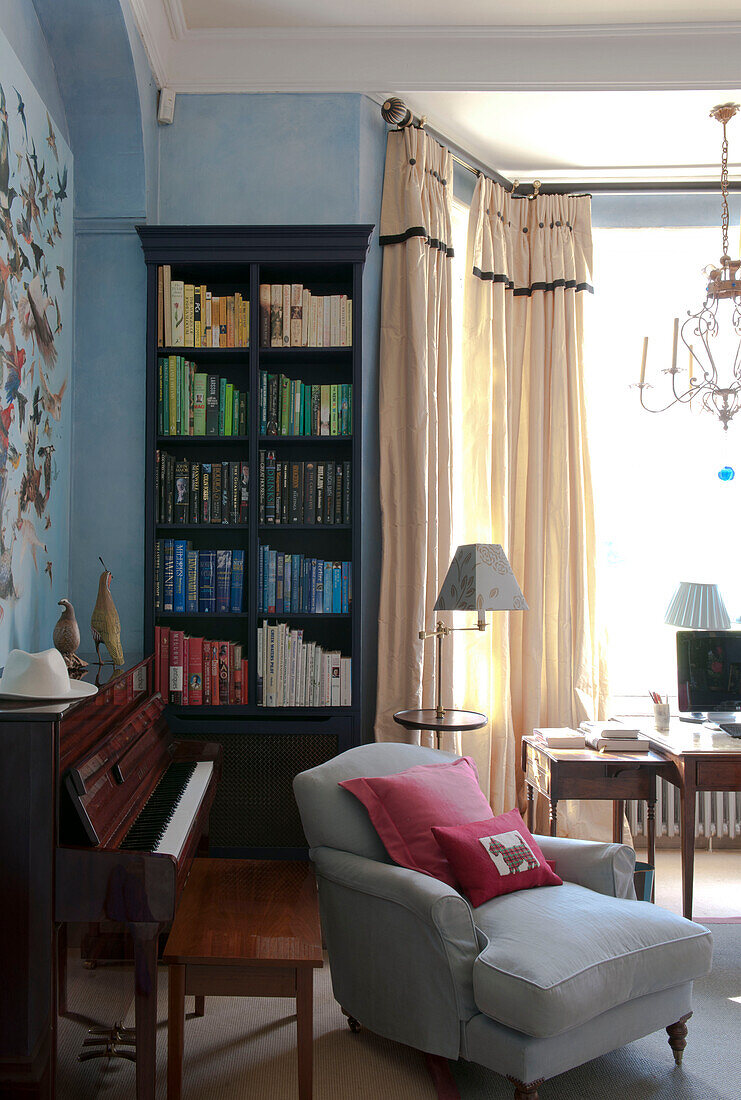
[588, 58]
[445, 33]
[153, 31]
[176, 19]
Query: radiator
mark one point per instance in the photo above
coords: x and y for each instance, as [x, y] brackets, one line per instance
[717, 814]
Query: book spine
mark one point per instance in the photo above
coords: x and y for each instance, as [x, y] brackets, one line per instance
[261, 503]
[206, 667]
[208, 336]
[286, 300]
[166, 303]
[197, 323]
[346, 493]
[216, 492]
[237, 581]
[244, 492]
[195, 672]
[160, 307]
[264, 315]
[276, 316]
[179, 575]
[176, 666]
[223, 579]
[177, 289]
[205, 492]
[168, 590]
[270, 487]
[206, 581]
[158, 574]
[164, 662]
[191, 599]
[297, 292]
[181, 507]
[212, 405]
[188, 314]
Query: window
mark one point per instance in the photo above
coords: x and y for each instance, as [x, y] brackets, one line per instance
[663, 515]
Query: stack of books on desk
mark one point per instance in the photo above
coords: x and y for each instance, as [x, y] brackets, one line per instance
[614, 736]
[560, 737]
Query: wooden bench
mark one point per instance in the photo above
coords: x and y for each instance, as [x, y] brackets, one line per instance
[244, 928]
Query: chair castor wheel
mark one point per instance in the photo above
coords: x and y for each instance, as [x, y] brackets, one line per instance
[352, 1023]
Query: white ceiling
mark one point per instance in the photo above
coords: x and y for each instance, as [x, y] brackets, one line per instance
[587, 136]
[213, 14]
[554, 89]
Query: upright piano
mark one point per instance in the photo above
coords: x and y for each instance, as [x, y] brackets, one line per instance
[101, 813]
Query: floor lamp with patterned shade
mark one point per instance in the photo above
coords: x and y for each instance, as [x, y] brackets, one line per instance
[479, 579]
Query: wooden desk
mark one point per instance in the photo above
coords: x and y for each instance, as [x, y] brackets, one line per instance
[583, 773]
[696, 759]
[244, 928]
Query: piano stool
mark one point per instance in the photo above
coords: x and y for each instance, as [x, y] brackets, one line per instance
[244, 928]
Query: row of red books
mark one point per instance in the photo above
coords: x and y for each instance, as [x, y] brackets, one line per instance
[194, 672]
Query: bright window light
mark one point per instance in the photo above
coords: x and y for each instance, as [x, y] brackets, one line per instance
[663, 515]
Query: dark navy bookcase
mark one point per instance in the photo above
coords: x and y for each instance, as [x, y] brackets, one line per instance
[264, 747]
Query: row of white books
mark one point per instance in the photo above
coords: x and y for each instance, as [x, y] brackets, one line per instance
[612, 736]
[295, 673]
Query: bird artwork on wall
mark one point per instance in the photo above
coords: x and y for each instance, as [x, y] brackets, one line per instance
[35, 357]
[66, 636]
[105, 623]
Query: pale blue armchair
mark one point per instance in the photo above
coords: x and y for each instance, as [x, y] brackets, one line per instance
[529, 984]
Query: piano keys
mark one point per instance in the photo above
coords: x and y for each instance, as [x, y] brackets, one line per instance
[127, 807]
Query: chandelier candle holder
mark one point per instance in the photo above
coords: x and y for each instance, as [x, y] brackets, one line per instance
[700, 332]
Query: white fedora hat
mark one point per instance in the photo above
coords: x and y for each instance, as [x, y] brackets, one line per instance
[35, 676]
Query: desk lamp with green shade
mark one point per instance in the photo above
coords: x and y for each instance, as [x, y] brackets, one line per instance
[479, 579]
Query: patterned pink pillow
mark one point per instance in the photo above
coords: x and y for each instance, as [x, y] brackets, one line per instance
[496, 856]
[403, 808]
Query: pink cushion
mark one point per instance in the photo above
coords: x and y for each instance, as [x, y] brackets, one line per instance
[495, 856]
[404, 806]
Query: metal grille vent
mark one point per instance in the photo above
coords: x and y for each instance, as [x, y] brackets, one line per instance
[254, 805]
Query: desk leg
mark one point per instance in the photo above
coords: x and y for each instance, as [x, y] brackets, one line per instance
[688, 844]
[305, 1029]
[651, 829]
[530, 807]
[553, 814]
[175, 1030]
[618, 813]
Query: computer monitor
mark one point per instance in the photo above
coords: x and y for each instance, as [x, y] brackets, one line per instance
[709, 671]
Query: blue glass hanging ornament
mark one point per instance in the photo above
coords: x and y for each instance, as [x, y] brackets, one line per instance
[726, 473]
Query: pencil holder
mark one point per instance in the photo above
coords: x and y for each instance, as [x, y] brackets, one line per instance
[661, 716]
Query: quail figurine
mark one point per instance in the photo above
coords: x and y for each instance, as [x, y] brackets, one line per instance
[105, 623]
[66, 637]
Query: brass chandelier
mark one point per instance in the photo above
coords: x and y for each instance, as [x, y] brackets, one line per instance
[700, 330]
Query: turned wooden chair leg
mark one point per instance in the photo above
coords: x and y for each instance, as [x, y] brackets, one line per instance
[526, 1092]
[678, 1037]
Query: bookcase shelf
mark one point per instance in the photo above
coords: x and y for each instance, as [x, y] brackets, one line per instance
[262, 745]
[312, 440]
[201, 440]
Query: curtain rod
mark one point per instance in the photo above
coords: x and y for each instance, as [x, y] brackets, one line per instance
[396, 113]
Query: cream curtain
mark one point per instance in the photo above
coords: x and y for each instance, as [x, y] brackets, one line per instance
[526, 483]
[414, 419]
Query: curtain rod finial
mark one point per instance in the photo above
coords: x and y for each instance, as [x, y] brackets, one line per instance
[395, 112]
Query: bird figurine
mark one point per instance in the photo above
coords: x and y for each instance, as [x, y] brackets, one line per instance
[66, 636]
[104, 622]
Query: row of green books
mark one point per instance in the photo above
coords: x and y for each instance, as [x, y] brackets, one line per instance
[196, 404]
[289, 406]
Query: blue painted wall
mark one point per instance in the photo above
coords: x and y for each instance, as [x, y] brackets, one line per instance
[233, 158]
[20, 25]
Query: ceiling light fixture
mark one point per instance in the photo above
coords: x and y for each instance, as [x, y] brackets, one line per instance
[702, 334]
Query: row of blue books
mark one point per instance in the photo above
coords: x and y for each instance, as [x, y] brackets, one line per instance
[294, 583]
[188, 581]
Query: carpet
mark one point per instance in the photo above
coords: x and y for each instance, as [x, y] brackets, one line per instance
[645, 1070]
[246, 1048]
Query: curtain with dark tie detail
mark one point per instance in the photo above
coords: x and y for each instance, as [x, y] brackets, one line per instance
[526, 478]
[414, 420]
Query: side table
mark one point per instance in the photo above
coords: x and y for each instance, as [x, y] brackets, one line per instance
[244, 928]
[585, 774]
[453, 721]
